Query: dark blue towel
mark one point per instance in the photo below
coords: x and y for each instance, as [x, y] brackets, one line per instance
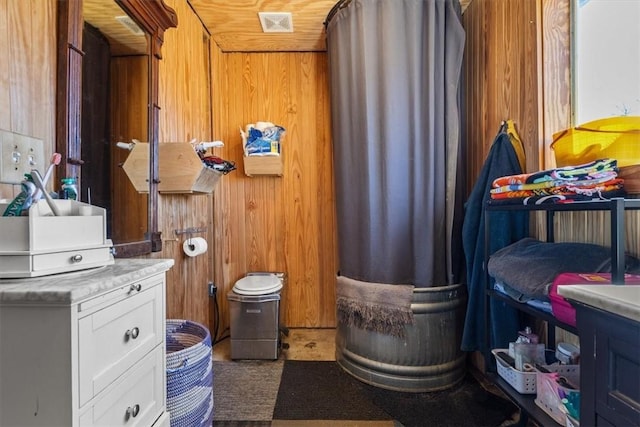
[530, 266]
[507, 227]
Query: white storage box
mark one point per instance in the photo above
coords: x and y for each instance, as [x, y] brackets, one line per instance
[550, 393]
[525, 382]
[41, 243]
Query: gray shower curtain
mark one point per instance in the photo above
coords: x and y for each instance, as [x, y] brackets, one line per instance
[394, 75]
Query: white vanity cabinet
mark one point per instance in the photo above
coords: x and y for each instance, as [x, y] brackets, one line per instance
[85, 349]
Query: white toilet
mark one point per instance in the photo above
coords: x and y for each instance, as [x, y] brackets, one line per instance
[258, 284]
[254, 304]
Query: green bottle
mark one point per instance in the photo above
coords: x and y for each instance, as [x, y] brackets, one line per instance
[69, 189]
[20, 205]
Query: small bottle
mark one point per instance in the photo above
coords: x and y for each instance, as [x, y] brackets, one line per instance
[527, 336]
[69, 189]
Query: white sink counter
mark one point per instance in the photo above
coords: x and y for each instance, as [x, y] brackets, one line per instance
[623, 300]
[69, 288]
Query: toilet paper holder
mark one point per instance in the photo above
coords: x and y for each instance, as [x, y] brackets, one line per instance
[190, 231]
[193, 246]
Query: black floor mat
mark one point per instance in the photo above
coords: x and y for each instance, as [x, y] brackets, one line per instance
[323, 391]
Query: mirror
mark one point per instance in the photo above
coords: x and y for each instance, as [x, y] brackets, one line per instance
[108, 70]
[606, 59]
[115, 70]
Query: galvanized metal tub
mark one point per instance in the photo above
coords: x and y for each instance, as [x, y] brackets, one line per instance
[427, 358]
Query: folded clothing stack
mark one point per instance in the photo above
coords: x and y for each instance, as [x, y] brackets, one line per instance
[590, 181]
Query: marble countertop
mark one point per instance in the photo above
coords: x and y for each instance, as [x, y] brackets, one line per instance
[623, 300]
[72, 287]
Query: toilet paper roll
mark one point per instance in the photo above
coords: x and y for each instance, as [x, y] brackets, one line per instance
[194, 246]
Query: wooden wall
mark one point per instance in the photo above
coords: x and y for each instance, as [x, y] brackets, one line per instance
[499, 78]
[555, 73]
[28, 73]
[283, 223]
[185, 114]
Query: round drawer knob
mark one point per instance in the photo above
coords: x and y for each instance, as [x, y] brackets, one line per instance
[132, 411]
[132, 333]
[76, 258]
[135, 288]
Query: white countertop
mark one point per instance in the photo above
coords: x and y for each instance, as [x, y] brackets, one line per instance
[623, 300]
[72, 287]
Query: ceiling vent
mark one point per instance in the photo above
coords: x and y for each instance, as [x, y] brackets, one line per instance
[130, 24]
[276, 22]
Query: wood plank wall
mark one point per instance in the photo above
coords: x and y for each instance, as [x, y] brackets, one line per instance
[555, 73]
[185, 114]
[27, 73]
[500, 78]
[253, 224]
[283, 223]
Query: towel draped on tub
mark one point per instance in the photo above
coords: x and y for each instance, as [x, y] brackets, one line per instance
[378, 307]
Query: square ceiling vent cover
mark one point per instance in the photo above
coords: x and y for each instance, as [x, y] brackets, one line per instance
[130, 25]
[276, 22]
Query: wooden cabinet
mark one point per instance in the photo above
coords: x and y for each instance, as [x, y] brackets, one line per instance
[610, 380]
[69, 360]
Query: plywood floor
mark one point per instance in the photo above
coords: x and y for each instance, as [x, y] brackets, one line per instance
[303, 344]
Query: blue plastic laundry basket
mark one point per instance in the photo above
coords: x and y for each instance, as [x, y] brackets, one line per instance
[189, 374]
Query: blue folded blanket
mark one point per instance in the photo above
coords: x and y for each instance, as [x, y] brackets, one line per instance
[535, 303]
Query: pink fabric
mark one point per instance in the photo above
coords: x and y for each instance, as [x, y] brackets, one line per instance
[562, 309]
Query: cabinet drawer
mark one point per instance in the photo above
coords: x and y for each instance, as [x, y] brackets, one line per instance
[113, 339]
[129, 290]
[136, 399]
[72, 260]
[29, 265]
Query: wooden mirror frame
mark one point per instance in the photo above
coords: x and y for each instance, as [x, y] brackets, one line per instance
[153, 17]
